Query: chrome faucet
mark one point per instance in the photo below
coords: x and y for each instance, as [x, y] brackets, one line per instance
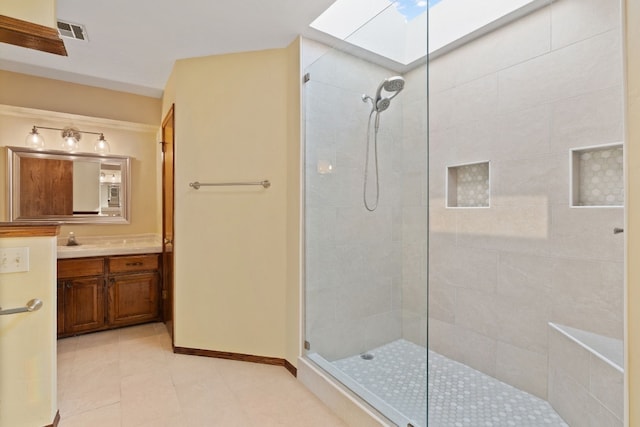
[71, 241]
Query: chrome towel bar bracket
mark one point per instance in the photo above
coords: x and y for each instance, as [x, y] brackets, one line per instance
[196, 185]
[32, 305]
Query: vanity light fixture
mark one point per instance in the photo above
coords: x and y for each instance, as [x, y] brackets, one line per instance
[70, 139]
[34, 140]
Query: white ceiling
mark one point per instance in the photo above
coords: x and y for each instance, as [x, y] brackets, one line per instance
[133, 44]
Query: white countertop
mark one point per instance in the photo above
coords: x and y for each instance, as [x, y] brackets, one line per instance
[109, 245]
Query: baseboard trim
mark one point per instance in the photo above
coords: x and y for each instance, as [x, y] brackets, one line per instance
[56, 420]
[289, 367]
[237, 356]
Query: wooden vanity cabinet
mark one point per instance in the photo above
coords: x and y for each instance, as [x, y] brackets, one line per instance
[107, 292]
[81, 284]
[134, 289]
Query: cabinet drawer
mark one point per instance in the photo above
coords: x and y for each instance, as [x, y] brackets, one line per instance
[79, 267]
[133, 263]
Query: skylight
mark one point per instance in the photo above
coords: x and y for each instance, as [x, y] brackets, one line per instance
[397, 30]
[413, 8]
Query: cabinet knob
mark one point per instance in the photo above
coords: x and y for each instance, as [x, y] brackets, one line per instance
[69, 285]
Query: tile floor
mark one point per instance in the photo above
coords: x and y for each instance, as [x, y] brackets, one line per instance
[130, 378]
[459, 396]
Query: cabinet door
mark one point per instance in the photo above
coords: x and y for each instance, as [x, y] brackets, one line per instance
[133, 298]
[84, 305]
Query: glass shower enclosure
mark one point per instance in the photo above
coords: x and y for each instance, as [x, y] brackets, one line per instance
[366, 218]
[463, 209]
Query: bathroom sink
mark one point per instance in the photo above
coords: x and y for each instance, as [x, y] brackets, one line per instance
[110, 245]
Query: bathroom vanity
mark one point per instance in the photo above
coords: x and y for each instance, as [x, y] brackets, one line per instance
[105, 283]
[100, 293]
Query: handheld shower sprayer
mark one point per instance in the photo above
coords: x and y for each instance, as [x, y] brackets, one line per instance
[380, 103]
[393, 85]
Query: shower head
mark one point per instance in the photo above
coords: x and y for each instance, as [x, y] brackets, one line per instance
[383, 104]
[392, 84]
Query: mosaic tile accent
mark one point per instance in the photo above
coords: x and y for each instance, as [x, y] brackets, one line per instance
[459, 396]
[471, 185]
[601, 181]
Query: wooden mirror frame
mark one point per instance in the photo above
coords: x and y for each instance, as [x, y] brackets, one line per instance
[14, 156]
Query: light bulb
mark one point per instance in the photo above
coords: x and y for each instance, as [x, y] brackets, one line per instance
[34, 140]
[70, 139]
[101, 146]
[69, 143]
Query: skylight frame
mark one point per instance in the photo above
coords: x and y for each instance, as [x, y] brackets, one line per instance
[447, 25]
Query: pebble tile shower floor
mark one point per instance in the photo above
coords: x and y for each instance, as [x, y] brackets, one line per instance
[459, 396]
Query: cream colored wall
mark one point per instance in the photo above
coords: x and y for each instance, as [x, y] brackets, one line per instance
[22, 90]
[28, 340]
[129, 122]
[231, 266]
[42, 12]
[632, 229]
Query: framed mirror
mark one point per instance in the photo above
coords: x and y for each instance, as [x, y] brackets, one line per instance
[57, 186]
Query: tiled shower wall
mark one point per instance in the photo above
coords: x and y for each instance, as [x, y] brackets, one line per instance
[414, 208]
[358, 262]
[522, 97]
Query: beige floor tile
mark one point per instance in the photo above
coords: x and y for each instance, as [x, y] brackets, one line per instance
[205, 404]
[147, 397]
[106, 416]
[67, 345]
[241, 375]
[142, 355]
[87, 390]
[284, 403]
[177, 420]
[193, 369]
[106, 338]
[130, 377]
[140, 331]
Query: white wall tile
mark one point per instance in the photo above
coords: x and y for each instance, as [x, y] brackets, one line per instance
[587, 233]
[589, 65]
[607, 386]
[588, 18]
[522, 368]
[524, 326]
[522, 134]
[587, 295]
[526, 85]
[586, 120]
[442, 301]
[522, 97]
[534, 180]
[569, 398]
[599, 416]
[526, 279]
[569, 357]
[479, 272]
[476, 99]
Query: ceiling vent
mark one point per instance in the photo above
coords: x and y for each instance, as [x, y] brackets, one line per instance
[72, 31]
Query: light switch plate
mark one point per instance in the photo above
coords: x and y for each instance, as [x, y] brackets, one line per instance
[14, 260]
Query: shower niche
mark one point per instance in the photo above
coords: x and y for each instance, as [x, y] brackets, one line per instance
[468, 185]
[597, 176]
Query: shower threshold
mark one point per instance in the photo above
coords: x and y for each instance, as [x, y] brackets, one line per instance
[394, 382]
